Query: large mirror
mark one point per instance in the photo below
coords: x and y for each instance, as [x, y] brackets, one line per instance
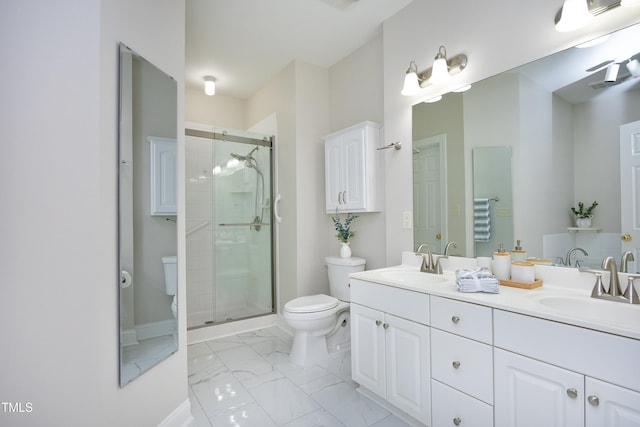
[147, 215]
[561, 116]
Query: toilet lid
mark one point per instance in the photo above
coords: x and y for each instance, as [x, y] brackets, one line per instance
[311, 304]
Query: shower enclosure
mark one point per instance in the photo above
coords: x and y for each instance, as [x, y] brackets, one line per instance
[229, 226]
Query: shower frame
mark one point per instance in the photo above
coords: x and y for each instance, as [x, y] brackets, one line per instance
[269, 142]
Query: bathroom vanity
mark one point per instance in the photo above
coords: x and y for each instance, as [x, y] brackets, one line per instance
[550, 356]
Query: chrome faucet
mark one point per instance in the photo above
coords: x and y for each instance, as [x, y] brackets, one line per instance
[626, 257]
[567, 260]
[428, 265]
[609, 264]
[446, 248]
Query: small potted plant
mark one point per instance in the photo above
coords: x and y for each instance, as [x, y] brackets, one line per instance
[344, 233]
[583, 215]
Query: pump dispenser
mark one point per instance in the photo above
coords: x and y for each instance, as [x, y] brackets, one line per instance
[502, 263]
[518, 254]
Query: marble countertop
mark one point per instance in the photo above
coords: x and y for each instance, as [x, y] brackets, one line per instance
[565, 295]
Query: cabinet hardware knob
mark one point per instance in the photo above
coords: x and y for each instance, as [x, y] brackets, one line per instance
[457, 421]
[378, 323]
[386, 325]
[455, 319]
[456, 364]
[593, 400]
[572, 393]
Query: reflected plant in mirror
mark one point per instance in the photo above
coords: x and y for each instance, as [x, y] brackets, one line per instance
[147, 213]
[567, 121]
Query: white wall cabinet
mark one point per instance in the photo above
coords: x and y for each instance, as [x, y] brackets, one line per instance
[164, 195]
[352, 170]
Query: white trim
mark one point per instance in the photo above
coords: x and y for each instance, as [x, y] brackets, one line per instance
[231, 328]
[179, 417]
[128, 337]
[156, 329]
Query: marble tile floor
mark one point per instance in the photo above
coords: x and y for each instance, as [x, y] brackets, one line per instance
[247, 380]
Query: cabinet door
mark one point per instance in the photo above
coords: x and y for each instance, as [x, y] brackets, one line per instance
[334, 174]
[408, 366]
[367, 348]
[610, 405]
[353, 196]
[529, 393]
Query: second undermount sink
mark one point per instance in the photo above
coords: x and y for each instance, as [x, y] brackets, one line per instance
[592, 309]
[412, 277]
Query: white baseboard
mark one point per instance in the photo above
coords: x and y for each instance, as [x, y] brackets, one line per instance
[156, 329]
[179, 417]
[128, 337]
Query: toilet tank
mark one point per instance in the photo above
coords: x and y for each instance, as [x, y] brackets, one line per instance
[170, 274]
[339, 270]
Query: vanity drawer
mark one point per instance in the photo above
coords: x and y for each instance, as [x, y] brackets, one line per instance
[462, 363]
[403, 303]
[462, 318]
[451, 407]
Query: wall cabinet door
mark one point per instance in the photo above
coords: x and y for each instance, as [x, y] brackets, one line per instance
[351, 169]
[408, 372]
[368, 349]
[529, 393]
[610, 405]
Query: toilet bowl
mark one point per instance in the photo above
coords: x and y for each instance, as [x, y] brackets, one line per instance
[314, 318]
[170, 266]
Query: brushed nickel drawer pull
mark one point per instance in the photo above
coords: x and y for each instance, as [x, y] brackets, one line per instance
[378, 323]
[457, 421]
[572, 393]
[593, 400]
[455, 319]
[456, 364]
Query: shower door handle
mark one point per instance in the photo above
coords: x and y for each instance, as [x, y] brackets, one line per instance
[276, 207]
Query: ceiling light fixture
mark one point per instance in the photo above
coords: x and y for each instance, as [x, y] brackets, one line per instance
[209, 85]
[441, 71]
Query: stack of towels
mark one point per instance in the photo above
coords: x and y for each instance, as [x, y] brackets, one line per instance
[478, 280]
[481, 220]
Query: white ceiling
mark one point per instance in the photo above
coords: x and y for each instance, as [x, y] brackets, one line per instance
[244, 43]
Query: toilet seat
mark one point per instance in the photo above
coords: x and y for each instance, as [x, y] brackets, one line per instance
[311, 304]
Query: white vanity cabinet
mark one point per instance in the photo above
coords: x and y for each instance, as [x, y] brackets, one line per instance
[390, 354]
[545, 374]
[461, 363]
[352, 169]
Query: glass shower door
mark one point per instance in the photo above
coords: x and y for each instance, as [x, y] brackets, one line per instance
[229, 229]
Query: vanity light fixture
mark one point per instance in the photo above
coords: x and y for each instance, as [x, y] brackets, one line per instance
[612, 72]
[209, 85]
[574, 14]
[634, 67]
[442, 69]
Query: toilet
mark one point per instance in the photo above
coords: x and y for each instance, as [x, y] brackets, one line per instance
[314, 318]
[171, 280]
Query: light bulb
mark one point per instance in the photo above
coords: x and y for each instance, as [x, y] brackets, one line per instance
[411, 84]
[209, 85]
[440, 69]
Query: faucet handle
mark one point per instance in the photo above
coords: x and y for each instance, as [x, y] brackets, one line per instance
[598, 288]
[630, 294]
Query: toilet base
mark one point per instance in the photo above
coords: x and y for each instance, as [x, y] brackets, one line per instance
[308, 350]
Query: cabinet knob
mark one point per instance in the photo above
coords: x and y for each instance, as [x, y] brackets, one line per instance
[572, 393]
[455, 319]
[593, 400]
[378, 323]
[456, 364]
[386, 325]
[457, 421]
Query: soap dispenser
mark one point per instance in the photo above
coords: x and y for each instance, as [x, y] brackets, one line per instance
[518, 254]
[502, 263]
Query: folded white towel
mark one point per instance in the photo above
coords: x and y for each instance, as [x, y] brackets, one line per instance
[477, 280]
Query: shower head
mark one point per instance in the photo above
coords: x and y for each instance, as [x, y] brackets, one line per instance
[248, 160]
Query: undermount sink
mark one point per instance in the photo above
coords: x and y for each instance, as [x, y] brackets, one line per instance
[412, 277]
[593, 309]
